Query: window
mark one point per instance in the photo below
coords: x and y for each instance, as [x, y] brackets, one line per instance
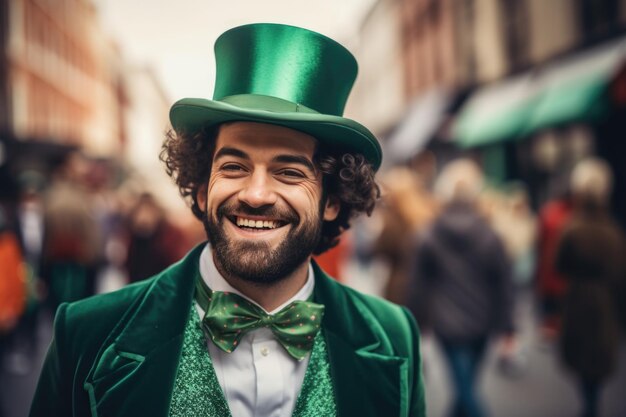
[515, 21]
[598, 17]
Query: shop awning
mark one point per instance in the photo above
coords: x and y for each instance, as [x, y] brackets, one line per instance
[419, 124]
[496, 112]
[575, 88]
[570, 90]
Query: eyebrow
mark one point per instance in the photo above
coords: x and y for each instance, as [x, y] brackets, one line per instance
[295, 159]
[230, 152]
[285, 159]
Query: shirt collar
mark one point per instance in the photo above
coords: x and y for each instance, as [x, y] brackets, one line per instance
[216, 281]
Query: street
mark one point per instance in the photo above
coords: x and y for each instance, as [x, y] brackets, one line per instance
[542, 389]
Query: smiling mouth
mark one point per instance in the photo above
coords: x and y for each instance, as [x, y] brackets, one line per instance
[253, 224]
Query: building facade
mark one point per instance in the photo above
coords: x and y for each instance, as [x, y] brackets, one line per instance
[532, 85]
[429, 47]
[377, 97]
[543, 99]
[62, 78]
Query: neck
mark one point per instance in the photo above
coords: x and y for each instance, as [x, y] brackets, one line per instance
[269, 296]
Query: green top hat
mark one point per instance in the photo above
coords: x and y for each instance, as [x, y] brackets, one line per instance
[282, 75]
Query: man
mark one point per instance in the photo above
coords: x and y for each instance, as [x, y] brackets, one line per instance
[248, 325]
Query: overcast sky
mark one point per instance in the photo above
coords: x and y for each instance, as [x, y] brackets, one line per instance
[176, 37]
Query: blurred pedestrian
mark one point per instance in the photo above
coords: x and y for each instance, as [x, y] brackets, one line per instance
[591, 257]
[516, 224]
[463, 288]
[30, 218]
[512, 218]
[154, 242]
[551, 285]
[72, 243]
[12, 285]
[406, 208]
[30, 231]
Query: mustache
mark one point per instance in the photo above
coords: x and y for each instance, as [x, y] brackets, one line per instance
[240, 208]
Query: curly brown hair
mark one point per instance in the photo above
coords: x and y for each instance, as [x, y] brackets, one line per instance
[348, 177]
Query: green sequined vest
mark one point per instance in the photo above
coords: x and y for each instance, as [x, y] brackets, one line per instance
[197, 391]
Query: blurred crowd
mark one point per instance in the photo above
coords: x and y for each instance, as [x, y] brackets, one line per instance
[71, 235]
[457, 251]
[463, 254]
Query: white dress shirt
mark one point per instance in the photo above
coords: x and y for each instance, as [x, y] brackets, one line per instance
[259, 378]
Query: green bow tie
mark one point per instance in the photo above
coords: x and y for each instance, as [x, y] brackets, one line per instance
[229, 316]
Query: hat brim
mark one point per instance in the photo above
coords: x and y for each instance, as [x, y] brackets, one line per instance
[193, 114]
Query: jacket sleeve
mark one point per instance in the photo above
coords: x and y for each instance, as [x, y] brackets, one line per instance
[52, 395]
[416, 384]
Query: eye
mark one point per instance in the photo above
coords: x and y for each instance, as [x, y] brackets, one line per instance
[291, 173]
[231, 167]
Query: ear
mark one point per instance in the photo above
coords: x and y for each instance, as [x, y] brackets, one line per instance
[331, 209]
[201, 196]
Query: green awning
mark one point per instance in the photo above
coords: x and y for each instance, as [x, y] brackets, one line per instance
[570, 90]
[496, 112]
[574, 90]
[582, 100]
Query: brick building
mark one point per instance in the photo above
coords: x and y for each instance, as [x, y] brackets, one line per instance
[61, 79]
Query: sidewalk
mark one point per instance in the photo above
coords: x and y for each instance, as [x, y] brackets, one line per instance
[18, 388]
[544, 388]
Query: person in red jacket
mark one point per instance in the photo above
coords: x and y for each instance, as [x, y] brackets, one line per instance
[551, 284]
[12, 284]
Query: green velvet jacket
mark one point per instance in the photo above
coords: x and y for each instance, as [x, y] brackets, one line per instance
[117, 354]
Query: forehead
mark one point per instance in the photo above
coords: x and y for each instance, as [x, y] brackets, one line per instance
[262, 138]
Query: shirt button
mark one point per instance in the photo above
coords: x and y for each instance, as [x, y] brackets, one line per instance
[265, 351]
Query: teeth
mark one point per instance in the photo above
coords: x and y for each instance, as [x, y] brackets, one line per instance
[257, 224]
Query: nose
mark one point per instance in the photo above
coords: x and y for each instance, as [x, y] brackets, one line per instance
[257, 191]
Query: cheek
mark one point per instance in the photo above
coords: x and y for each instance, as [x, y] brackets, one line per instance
[218, 190]
[211, 185]
[305, 199]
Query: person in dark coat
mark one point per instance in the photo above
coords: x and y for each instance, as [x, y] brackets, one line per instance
[463, 283]
[591, 257]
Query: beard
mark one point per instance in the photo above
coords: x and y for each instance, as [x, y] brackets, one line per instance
[257, 262]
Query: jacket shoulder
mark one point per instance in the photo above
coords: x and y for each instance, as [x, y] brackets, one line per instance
[96, 317]
[383, 308]
[92, 319]
[394, 320]
[109, 305]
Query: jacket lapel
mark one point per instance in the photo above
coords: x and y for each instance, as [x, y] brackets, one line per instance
[370, 380]
[135, 370]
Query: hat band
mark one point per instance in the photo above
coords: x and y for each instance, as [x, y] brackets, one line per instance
[266, 103]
